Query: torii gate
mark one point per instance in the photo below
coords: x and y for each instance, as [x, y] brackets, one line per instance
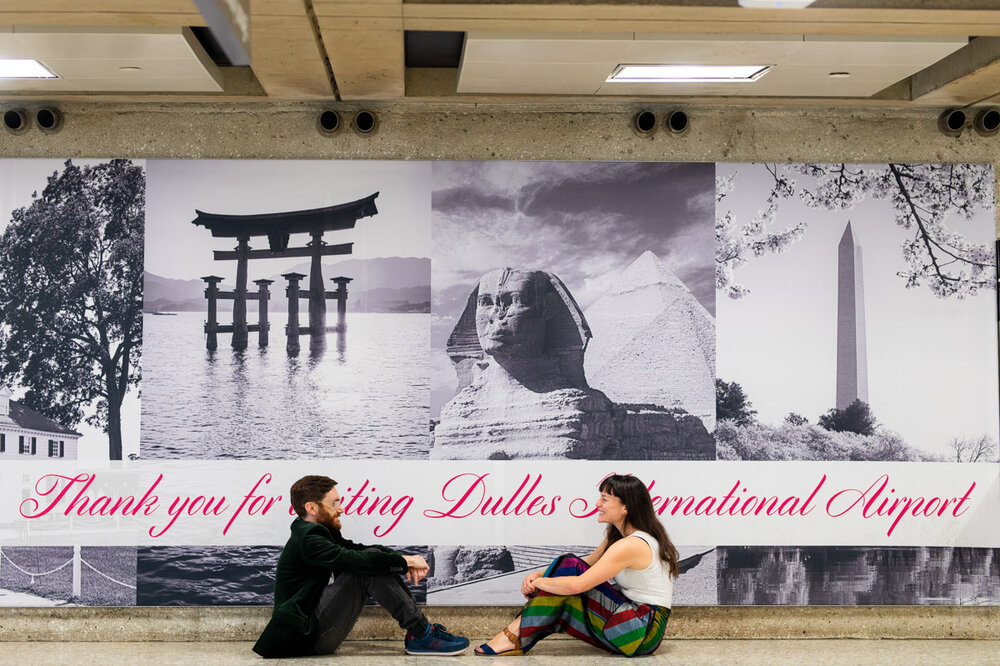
[278, 227]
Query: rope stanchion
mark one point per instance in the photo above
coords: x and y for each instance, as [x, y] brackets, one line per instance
[32, 573]
[100, 573]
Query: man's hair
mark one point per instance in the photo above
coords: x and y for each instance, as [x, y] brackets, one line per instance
[309, 489]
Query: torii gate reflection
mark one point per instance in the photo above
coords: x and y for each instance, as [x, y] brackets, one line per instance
[278, 227]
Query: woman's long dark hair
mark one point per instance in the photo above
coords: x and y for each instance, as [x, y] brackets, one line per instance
[633, 494]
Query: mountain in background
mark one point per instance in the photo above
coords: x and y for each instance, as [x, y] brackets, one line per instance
[383, 284]
[168, 294]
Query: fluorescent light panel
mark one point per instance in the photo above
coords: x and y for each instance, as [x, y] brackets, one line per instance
[24, 68]
[687, 73]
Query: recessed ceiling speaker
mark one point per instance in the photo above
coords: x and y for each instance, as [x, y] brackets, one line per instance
[952, 122]
[677, 122]
[328, 121]
[49, 119]
[365, 123]
[644, 123]
[16, 121]
[987, 122]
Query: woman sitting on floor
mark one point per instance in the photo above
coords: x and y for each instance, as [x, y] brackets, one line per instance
[617, 598]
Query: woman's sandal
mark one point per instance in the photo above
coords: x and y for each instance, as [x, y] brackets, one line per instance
[486, 651]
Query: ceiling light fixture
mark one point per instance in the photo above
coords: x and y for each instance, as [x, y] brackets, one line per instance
[130, 68]
[687, 73]
[840, 75]
[24, 68]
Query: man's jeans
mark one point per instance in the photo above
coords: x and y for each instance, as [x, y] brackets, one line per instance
[343, 599]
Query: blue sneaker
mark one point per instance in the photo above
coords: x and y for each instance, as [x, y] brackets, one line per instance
[437, 641]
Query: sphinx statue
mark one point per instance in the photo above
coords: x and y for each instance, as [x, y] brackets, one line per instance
[518, 348]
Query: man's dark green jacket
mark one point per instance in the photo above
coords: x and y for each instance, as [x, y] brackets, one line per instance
[312, 553]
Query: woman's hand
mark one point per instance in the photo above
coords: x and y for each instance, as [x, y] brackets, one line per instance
[528, 584]
[560, 585]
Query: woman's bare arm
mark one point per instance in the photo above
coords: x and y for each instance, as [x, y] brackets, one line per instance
[596, 555]
[622, 554]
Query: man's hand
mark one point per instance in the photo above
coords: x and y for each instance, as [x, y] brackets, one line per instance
[528, 584]
[417, 568]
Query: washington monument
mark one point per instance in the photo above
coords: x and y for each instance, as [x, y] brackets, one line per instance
[852, 357]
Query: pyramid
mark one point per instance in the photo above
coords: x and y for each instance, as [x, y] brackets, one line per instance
[653, 343]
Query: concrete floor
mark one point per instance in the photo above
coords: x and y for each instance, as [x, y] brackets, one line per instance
[563, 652]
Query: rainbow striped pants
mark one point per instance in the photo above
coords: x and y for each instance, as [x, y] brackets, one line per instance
[601, 616]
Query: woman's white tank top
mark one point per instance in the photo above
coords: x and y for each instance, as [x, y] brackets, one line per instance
[652, 585]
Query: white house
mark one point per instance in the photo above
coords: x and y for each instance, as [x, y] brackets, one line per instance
[27, 435]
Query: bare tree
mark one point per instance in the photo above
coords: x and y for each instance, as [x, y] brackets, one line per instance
[974, 449]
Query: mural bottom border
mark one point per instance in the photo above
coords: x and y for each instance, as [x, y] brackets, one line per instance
[244, 623]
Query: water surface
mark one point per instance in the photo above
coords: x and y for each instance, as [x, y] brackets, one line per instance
[366, 396]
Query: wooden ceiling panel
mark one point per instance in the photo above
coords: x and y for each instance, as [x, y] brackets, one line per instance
[300, 46]
[982, 85]
[364, 41]
[100, 12]
[968, 76]
[285, 53]
[569, 18]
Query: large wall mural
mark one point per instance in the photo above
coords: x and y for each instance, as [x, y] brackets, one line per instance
[799, 359]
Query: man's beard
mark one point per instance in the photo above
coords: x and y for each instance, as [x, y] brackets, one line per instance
[327, 519]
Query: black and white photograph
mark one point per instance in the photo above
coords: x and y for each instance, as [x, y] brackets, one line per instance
[221, 575]
[287, 310]
[573, 311]
[206, 575]
[44, 576]
[304, 310]
[858, 576]
[71, 238]
[857, 312]
[491, 575]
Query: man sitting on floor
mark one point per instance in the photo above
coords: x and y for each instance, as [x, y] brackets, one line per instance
[313, 615]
